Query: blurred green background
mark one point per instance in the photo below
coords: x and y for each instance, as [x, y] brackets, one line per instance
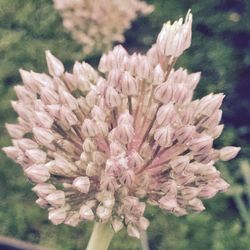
[220, 49]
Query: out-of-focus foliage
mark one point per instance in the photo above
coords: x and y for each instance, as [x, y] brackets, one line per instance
[220, 49]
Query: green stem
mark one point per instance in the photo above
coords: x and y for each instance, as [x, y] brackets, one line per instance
[101, 237]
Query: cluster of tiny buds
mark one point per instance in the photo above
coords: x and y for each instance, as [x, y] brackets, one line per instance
[98, 24]
[100, 146]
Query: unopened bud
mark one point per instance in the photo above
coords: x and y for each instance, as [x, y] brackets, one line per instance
[57, 216]
[37, 173]
[164, 136]
[55, 66]
[228, 153]
[112, 98]
[82, 184]
[86, 213]
[36, 155]
[43, 189]
[56, 198]
[15, 130]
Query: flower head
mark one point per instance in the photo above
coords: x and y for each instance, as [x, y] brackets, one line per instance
[98, 24]
[102, 146]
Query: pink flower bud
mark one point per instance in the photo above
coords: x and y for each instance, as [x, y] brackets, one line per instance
[158, 76]
[83, 82]
[196, 205]
[133, 63]
[89, 145]
[26, 143]
[119, 52]
[90, 72]
[135, 160]
[126, 118]
[127, 177]
[15, 130]
[207, 192]
[106, 198]
[24, 95]
[28, 80]
[117, 225]
[164, 136]
[24, 112]
[112, 98]
[91, 98]
[194, 79]
[103, 213]
[43, 136]
[73, 219]
[37, 173]
[164, 92]
[11, 152]
[220, 185]
[168, 203]
[104, 64]
[36, 155]
[185, 134]
[114, 77]
[68, 118]
[180, 93]
[179, 164]
[189, 193]
[43, 189]
[99, 158]
[56, 198]
[98, 114]
[210, 103]
[42, 203]
[68, 100]
[133, 231]
[83, 105]
[124, 133]
[65, 165]
[228, 153]
[128, 84]
[55, 66]
[213, 120]
[54, 110]
[92, 169]
[43, 119]
[143, 68]
[57, 216]
[102, 128]
[216, 132]
[43, 81]
[166, 114]
[70, 81]
[82, 184]
[116, 148]
[201, 143]
[49, 96]
[89, 128]
[86, 213]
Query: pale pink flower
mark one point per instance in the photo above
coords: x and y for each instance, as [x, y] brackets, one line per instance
[105, 145]
[98, 24]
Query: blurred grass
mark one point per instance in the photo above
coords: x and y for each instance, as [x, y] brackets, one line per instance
[220, 49]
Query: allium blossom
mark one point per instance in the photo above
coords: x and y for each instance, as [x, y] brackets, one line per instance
[96, 24]
[100, 146]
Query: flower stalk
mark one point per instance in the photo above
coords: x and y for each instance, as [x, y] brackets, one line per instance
[101, 237]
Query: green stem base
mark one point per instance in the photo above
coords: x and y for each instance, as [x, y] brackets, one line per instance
[101, 237]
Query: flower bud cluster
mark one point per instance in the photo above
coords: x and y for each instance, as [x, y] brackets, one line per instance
[98, 24]
[102, 146]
